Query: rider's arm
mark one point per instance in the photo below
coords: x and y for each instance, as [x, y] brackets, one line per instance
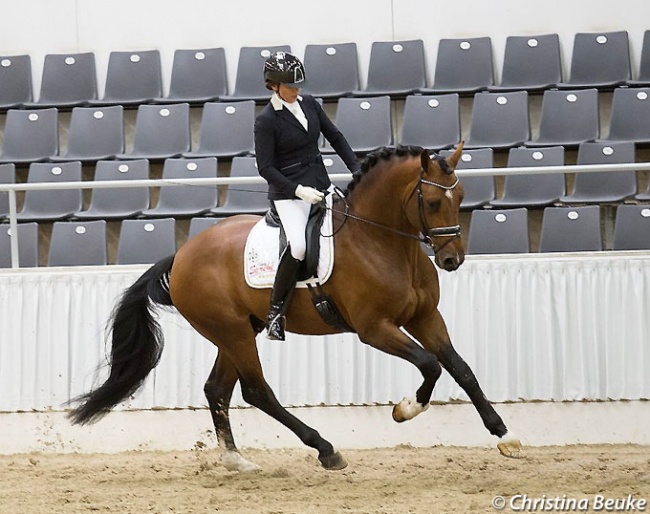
[337, 140]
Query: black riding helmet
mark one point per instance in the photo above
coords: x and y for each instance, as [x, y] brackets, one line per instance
[283, 68]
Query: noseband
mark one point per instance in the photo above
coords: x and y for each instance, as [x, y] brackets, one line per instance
[428, 234]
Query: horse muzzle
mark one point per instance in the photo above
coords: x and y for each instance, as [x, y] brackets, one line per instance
[450, 256]
[451, 262]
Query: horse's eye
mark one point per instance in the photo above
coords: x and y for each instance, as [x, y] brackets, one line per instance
[434, 205]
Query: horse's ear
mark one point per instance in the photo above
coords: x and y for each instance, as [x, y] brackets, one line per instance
[425, 159]
[455, 157]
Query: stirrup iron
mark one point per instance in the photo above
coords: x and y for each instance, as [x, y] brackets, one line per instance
[275, 327]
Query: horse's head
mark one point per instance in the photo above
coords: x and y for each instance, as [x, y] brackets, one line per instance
[438, 196]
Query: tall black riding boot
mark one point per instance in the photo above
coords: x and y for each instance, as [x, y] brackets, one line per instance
[285, 281]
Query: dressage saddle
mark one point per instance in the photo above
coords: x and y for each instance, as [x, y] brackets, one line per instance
[323, 303]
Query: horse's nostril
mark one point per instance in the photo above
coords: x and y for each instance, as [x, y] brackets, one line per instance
[450, 263]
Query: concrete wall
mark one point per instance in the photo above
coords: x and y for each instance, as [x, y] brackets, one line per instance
[537, 424]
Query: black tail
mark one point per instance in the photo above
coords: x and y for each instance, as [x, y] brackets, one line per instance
[137, 344]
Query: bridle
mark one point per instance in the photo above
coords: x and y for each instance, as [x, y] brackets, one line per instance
[427, 234]
[450, 231]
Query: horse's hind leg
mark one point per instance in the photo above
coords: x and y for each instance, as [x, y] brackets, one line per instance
[257, 392]
[218, 391]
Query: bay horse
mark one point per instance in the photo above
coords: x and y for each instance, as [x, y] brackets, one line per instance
[382, 281]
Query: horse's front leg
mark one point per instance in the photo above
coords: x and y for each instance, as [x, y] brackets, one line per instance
[390, 339]
[431, 331]
[218, 391]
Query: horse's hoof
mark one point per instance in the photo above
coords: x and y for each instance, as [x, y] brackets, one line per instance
[397, 414]
[407, 409]
[233, 461]
[510, 446]
[333, 461]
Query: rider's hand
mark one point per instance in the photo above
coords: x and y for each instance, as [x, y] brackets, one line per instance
[309, 194]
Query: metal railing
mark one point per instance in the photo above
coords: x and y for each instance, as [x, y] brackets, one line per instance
[11, 189]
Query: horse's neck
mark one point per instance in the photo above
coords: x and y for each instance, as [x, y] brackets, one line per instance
[382, 199]
[380, 221]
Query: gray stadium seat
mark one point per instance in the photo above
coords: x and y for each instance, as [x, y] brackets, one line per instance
[122, 202]
[332, 70]
[15, 81]
[571, 229]
[463, 66]
[244, 198]
[226, 130]
[161, 131]
[431, 121]
[27, 245]
[606, 186]
[499, 120]
[30, 135]
[146, 241]
[132, 78]
[643, 78]
[530, 63]
[95, 133]
[599, 60]
[68, 80]
[632, 228]
[568, 118]
[52, 204]
[365, 122]
[7, 176]
[78, 243]
[630, 116]
[184, 201]
[197, 76]
[396, 69]
[533, 190]
[498, 231]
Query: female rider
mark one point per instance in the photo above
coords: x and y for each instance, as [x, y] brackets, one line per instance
[288, 157]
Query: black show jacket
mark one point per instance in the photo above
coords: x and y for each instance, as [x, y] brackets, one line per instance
[288, 155]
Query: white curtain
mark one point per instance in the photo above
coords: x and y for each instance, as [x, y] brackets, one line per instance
[534, 327]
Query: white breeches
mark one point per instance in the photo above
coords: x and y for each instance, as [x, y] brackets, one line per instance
[294, 215]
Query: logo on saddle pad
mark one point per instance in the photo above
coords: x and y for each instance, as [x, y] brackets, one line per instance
[262, 252]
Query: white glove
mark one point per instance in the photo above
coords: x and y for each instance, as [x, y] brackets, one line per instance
[309, 194]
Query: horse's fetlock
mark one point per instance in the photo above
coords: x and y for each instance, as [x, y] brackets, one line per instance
[432, 369]
[314, 440]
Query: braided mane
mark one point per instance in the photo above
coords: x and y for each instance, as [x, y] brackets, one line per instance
[381, 154]
[387, 153]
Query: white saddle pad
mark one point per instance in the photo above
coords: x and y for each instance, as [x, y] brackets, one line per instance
[262, 253]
